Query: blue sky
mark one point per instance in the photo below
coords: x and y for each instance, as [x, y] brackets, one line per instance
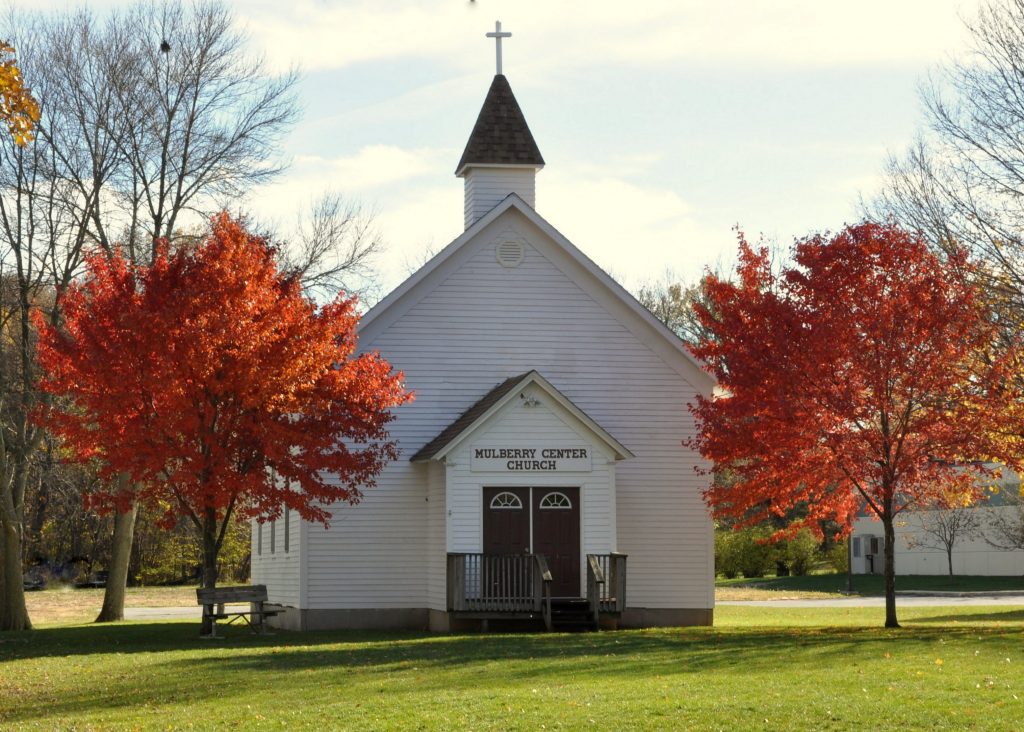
[663, 124]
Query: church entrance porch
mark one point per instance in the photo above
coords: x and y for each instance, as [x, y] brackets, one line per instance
[527, 493]
[530, 566]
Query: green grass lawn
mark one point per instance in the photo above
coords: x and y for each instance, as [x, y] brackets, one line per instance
[757, 669]
[872, 584]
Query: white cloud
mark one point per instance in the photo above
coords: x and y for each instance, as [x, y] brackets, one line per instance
[416, 226]
[633, 231]
[365, 176]
[373, 166]
[321, 34]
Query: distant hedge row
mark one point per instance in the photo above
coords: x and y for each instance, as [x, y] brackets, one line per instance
[750, 554]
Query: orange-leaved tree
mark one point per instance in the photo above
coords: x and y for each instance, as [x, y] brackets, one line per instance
[211, 382]
[861, 375]
[18, 109]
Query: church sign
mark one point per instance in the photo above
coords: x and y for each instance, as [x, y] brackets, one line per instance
[540, 458]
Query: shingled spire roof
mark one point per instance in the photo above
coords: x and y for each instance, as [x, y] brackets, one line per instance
[500, 135]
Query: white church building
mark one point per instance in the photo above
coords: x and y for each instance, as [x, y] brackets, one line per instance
[543, 476]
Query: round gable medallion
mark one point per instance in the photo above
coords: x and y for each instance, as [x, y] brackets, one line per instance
[509, 253]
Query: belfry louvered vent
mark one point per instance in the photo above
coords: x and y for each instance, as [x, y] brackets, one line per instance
[509, 253]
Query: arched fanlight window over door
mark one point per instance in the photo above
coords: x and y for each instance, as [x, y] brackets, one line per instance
[556, 500]
[506, 501]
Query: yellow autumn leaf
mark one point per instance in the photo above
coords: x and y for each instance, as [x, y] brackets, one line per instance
[18, 109]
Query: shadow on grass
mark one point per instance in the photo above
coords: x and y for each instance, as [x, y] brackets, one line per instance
[189, 670]
[1006, 616]
[361, 647]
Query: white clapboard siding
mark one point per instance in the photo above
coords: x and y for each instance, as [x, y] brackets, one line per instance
[374, 555]
[272, 565]
[486, 187]
[436, 538]
[475, 323]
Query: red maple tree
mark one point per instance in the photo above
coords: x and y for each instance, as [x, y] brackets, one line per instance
[215, 387]
[862, 375]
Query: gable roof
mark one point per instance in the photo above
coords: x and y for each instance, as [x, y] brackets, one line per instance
[493, 401]
[407, 290]
[500, 135]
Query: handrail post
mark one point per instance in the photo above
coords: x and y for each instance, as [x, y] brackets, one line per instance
[544, 597]
[619, 580]
[548, 623]
[595, 587]
[456, 580]
[538, 589]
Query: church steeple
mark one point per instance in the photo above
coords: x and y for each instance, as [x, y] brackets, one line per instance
[501, 156]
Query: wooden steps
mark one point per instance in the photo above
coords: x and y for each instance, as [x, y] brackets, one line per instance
[571, 615]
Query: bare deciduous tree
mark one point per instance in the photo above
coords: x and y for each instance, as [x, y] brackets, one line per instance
[941, 527]
[334, 249]
[204, 115]
[149, 115]
[42, 230]
[1005, 526]
[962, 181]
[671, 302]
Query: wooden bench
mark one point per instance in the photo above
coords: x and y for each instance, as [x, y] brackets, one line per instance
[213, 602]
[95, 580]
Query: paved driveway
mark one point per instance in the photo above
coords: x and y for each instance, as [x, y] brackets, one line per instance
[195, 612]
[932, 600]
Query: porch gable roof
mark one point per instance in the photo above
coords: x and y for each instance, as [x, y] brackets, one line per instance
[493, 401]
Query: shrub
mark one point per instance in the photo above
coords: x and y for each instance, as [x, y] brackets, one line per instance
[725, 560]
[838, 556]
[757, 556]
[744, 552]
[801, 552]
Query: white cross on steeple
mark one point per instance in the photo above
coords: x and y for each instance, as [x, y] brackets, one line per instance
[497, 35]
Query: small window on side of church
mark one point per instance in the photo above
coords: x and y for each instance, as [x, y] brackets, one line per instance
[287, 528]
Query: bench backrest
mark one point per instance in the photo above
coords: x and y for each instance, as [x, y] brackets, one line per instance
[248, 593]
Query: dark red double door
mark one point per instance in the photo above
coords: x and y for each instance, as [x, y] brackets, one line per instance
[554, 516]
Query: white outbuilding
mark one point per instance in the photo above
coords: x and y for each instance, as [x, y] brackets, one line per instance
[543, 473]
[983, 539]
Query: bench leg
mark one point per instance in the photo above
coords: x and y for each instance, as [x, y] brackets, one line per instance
[260, 625]
[208, 613]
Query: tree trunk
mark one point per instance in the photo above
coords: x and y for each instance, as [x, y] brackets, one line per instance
[3, 587]
[209, 562]
[35, 524]
[14, 615]
[890, 569]
[849, 563]
[949, 557]
[117, 572]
